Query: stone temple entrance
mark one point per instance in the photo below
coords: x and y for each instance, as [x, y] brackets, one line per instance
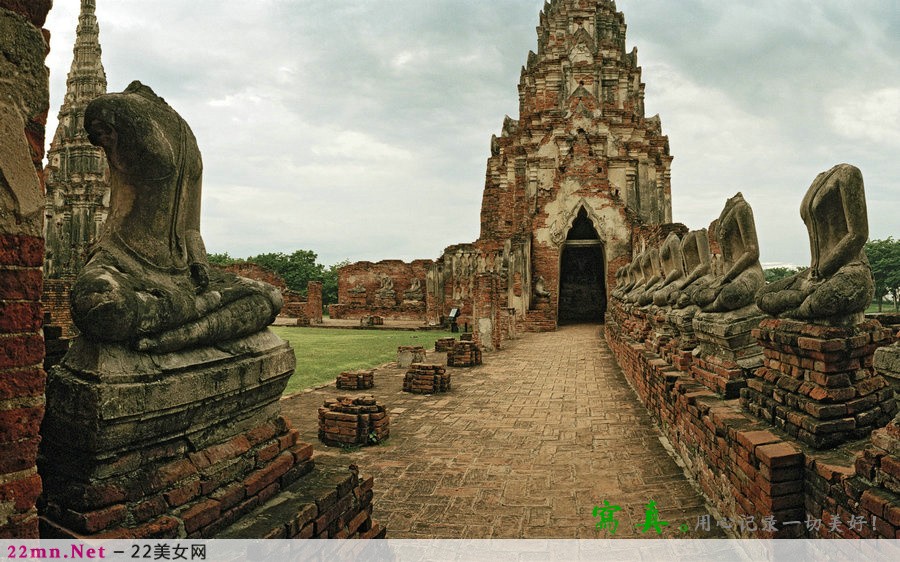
[582, 287]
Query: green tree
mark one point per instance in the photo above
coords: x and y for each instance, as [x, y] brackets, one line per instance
[221, 260]
[778, 273]
[884, 257]
[297, 269]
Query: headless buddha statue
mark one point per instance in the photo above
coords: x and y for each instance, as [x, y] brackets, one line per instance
[670, 256]
[743, 274]
[695, 250]
[640, 278]
[147, 282]
[654, 270]
[838, 285]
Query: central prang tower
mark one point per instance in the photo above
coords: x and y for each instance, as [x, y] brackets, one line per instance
[77, 175]
[581, 171]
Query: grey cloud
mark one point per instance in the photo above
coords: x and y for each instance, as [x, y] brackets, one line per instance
[747, 92]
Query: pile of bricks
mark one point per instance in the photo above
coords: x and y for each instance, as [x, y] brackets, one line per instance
[356, 380]
[409, 354]
[194, 494]
[426, 379]
[330, 503]
[817, 382]
[467, 336]
[444, 345]
[464, 354]
[353, 421]
[371, 321]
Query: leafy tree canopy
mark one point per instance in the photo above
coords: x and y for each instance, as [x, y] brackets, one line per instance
[297, 270]
[884, 257]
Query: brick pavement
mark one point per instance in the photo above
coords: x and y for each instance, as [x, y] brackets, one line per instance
[523, 446]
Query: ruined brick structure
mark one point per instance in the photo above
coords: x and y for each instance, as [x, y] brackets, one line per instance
[386, 289]
[24, 101]
[569, 187]
[307, 310]
[77, 175]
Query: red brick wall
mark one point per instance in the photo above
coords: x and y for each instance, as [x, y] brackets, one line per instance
[368, 275]
[748, 467]
[22, 378]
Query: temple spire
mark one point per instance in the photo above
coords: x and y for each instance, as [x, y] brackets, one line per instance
[76, 173]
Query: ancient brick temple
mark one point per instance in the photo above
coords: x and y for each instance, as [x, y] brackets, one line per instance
[570, 184]
[77, 175]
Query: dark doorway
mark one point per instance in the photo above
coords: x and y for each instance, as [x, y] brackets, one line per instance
[582, 279]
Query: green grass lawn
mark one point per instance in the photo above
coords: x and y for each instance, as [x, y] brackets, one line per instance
[323, 354]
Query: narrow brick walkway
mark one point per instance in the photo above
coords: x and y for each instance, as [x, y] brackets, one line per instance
[523, 446]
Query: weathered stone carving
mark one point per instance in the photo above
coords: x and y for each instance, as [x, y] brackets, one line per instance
[387, 287]
[541, 294]
[695, 251]
[673, 269]
[654, 271]
[415, 292]
[838, 285]
[639, 279]
[743, 274]
[147, 282]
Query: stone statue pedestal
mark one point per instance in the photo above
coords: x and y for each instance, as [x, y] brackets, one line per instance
[662, 332]
[727, 351]
[887, 363]
[685, 340]
[144, 445]
[385, 299]
[817, 382]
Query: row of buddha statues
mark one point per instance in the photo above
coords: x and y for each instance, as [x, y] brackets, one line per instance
[835, 289]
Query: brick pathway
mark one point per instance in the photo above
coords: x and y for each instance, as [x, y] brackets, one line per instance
[523, 446]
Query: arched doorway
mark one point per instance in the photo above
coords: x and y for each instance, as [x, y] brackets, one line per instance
[582, 274]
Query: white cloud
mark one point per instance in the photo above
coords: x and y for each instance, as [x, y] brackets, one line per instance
[873, 117]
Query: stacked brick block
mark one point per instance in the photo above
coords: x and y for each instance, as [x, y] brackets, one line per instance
[371, 321]
[409, 354]
[426, 379]
[346, 421]
[171, 492]
[444, 345]
[356, 380]
[330, 503]
[464, 354]
[818, 383]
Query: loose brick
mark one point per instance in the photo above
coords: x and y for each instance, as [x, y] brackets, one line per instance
[200, 515]
[779, 455]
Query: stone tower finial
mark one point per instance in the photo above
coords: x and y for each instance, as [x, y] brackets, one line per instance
[76, 173]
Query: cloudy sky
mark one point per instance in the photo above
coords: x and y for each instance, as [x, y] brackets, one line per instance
[361, 129]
